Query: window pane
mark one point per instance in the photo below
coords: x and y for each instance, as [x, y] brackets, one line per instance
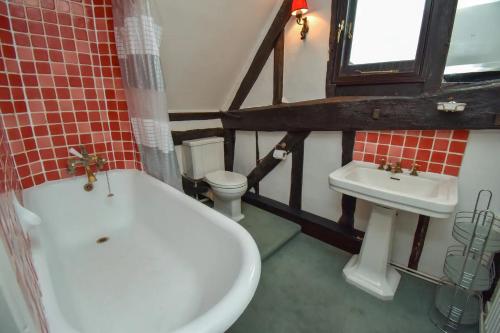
[474, 43]
[386, 30]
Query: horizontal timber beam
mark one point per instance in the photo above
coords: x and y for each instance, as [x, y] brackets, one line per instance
[376, 113]
[313, 225]
[186, 116]
[179, 136]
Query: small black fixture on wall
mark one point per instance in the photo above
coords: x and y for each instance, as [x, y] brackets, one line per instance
[299, 8]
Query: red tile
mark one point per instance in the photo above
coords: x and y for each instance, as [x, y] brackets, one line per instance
[423, 155]
[16, 11]
[383, 149]
[457, 147]
[454, 159]
[34, 14]
[372, 137]
[397, 140]
[21, 39]
[441, 144]
[429, 133]
[409, 153]
[438, 157]
[64, 19]
[49, 4]
[434, 167]
[451, 171]
[460, 135]
[425, 143]
[359, 146]
[411, 141]
[49, 16]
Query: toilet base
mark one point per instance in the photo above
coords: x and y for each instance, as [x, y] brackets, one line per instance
[230, 208]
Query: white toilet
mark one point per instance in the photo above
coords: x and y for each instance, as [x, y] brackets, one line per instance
[204, 159]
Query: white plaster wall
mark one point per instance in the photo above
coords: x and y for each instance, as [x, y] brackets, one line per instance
[322, 155]
[480, 170]
[206, 45]
[244, 152]
[304, 79]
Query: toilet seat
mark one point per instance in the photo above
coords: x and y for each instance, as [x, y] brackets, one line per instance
[226, 179]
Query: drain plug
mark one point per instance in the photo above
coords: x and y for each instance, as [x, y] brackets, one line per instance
[102, 240]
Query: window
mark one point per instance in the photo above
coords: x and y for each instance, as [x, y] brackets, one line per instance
[388, 46]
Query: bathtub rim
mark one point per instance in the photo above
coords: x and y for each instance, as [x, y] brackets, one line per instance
[219, 317]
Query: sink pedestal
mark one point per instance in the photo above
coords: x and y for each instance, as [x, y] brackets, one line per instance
[370, 270]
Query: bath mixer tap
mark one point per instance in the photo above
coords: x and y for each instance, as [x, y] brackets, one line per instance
[85, 160]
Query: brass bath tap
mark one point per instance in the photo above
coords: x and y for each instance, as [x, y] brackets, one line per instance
[85, 160]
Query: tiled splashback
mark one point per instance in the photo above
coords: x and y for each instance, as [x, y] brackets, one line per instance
[60, 86]
[15, 241]
[438, 151]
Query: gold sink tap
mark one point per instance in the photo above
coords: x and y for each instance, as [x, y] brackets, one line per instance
[394, 167]
[414, 169]
[85, 160]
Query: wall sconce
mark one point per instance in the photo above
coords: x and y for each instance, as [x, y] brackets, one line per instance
[299, 8]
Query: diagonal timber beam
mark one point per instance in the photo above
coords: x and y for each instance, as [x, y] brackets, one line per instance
[292, 140]
[262, 54]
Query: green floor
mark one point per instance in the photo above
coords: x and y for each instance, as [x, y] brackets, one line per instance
[301, 289]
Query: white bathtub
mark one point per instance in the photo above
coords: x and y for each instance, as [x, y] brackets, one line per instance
[171, 264]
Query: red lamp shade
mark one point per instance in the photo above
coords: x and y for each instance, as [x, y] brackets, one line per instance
[299, 7]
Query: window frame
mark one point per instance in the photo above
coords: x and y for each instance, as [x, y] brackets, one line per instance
[425, 73]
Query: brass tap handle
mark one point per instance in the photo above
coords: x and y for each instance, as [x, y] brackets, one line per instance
[381, 165]
[414, 169]
[389, 167]
[83, 151]
[398, 168]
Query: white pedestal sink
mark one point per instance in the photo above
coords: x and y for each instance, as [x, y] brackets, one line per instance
[427, 194]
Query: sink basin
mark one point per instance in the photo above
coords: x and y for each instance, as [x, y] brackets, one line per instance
[427, 194]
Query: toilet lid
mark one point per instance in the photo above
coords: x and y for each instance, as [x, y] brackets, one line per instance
[226, 179]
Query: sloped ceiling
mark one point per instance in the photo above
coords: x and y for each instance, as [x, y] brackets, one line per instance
[207, 44]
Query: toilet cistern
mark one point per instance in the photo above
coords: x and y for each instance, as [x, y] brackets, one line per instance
[428, 194]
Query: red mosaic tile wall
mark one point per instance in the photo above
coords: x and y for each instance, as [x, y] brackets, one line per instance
[16, 242]
[60, 86]
[438, 151]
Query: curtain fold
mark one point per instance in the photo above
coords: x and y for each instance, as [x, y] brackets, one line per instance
[138, 39]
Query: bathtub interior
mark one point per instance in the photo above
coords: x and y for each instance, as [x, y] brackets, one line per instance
[164, 263]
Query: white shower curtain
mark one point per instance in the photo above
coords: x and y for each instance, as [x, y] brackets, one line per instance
[138, 38]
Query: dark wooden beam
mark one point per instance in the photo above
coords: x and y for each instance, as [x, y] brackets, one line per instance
[436, 52]
[313, 225]
[357, 113]
[418, 241]
[268, 163]
[257, 159]
[348, 202]
[295, 200]
[279, 58]
[229, 143]
[262, 54]
[179, 136]
[186, 116]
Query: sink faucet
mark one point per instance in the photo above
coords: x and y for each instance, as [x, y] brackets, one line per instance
[84, 159]
[392, 167]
